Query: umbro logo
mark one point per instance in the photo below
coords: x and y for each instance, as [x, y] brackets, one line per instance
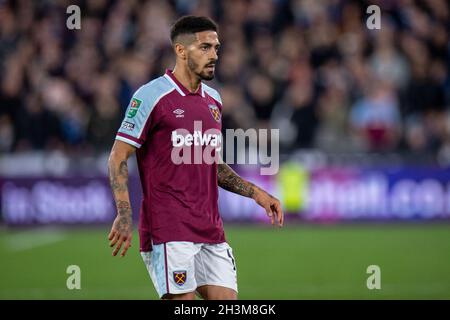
[179, 113]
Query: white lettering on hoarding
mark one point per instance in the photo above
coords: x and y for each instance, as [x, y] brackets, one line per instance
[48, 201]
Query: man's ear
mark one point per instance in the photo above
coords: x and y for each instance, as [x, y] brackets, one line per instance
[180, 51]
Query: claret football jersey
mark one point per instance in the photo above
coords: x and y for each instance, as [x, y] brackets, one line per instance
[174, 131]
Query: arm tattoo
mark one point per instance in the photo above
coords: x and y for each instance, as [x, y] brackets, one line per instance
[231, 181]
[123, 208]
[118, 178]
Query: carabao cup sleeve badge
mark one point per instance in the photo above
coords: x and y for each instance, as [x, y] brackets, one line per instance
[215, 112]
[135, 104]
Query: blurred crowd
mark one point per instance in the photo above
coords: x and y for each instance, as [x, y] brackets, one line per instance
[309, 68]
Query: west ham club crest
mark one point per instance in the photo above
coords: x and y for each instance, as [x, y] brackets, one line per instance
[215, 112]
[179, 277]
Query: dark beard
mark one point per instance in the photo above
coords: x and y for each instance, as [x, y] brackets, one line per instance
[202, 75]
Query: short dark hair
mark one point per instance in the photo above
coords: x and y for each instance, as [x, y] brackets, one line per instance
[191, 25]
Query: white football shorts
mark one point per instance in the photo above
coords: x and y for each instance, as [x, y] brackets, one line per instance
[179, 266]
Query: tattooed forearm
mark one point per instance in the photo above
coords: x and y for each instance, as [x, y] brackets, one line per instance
[231, 181]
[118, 178]
[123, 208]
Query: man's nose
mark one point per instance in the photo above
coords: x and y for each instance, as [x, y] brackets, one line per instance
[214, 56]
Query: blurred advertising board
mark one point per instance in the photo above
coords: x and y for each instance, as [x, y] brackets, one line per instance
[350, 193]
[55, 200]
[322, 194]
[50, 200]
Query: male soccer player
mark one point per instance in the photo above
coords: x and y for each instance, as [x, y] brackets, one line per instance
[182, 241]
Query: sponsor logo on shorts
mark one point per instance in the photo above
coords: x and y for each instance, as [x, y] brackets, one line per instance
[179, 277]
[127, 126]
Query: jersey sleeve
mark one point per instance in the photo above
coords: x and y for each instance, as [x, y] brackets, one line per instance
[219, 102]
[216, 96]
[139, 116]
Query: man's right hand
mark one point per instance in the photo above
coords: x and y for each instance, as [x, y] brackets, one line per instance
[121, 232]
